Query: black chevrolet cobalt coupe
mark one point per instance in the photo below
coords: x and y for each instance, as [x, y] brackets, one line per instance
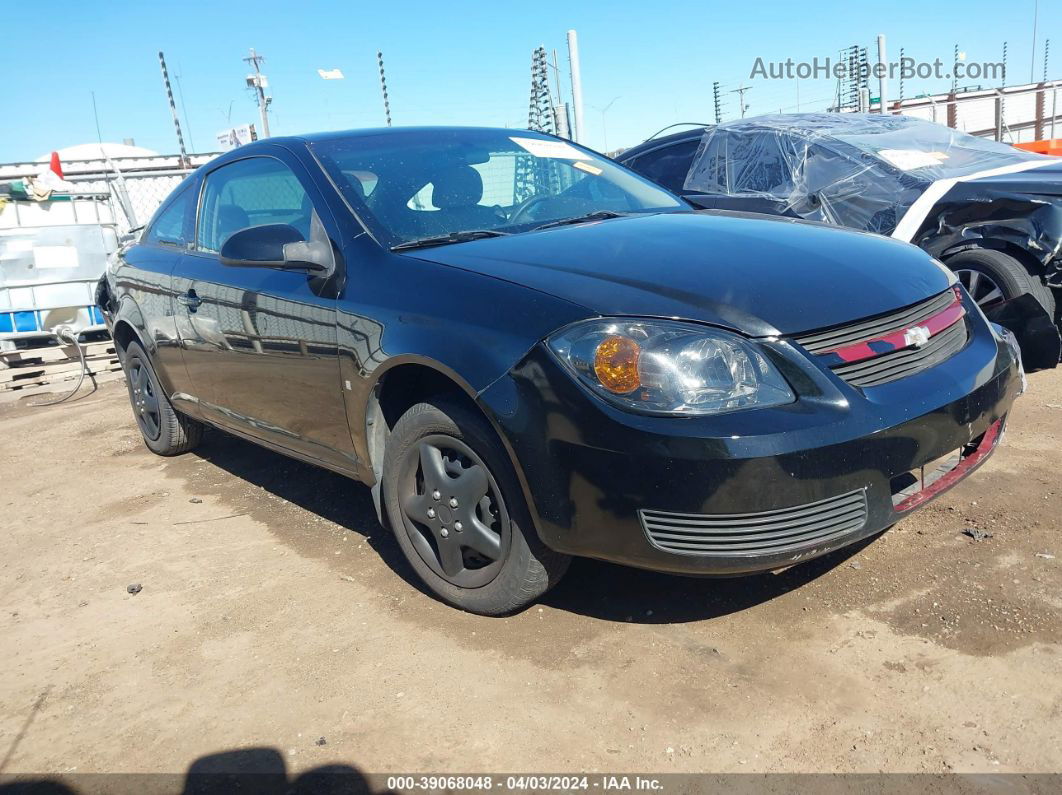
[529, 352]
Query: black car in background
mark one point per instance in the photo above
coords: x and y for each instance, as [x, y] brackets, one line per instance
[529, 352]
[990, 212]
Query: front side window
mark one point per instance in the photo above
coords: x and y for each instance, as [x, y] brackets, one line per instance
[170, 225]
[745, 163]
[252, 192]
[439, 182]
[669, 165]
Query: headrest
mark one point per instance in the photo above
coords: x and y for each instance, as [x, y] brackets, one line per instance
[232, 218]
[457, 186]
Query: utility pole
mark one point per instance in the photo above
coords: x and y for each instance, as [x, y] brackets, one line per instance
[740, 91]
[717, 102]
[383, 88]
[173, 109]
[1032, 58]
[258, 82]
[560, 107]
[577, 85]
[883, 76]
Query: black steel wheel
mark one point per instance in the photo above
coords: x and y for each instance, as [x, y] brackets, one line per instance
[165, 431]
[453, 501]
[145, 399]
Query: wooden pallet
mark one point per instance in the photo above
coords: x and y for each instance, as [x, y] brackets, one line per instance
[55, 369]
[58, 387]
[54, 353]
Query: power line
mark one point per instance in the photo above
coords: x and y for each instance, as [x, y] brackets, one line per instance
[184, 107]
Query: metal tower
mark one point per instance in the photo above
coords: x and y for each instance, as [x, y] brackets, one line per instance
[540, 115]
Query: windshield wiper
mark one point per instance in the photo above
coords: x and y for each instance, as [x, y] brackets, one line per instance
[597, 215]
[452, 237]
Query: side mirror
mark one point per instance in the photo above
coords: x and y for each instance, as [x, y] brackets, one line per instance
[279, 246]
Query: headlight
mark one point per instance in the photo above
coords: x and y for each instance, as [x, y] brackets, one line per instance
[665, 367]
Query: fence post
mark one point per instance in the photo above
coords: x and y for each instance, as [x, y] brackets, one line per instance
[1041, 96]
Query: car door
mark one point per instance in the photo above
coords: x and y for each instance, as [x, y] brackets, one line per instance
[144, 273]
[260, 344]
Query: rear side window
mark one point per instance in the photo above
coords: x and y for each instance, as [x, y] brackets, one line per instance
[247, 193]
[668, 166]
[170, 226]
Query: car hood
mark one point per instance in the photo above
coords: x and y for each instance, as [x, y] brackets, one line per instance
[754, 274]
[1043, 181]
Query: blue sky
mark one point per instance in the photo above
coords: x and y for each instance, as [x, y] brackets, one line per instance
[454, 62]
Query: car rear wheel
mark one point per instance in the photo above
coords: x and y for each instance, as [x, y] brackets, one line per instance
[992, 277]
[165, 430]
[459, 515]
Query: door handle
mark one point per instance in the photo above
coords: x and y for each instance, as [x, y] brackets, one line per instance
[190, 300]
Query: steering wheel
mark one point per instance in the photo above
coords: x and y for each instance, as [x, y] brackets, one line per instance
[523, 207]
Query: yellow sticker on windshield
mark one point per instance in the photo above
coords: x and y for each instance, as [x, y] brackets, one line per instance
[541, 148]
[589, 169]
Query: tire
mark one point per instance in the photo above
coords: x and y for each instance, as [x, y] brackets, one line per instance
[980, 268]
[165, 430]
[479, 552]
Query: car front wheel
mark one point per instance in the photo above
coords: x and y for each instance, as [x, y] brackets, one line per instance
[992, 277]
[459, 515]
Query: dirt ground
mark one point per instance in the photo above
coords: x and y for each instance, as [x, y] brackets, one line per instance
[276, 614]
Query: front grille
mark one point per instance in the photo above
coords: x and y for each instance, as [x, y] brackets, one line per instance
[896, 365]
[876, 351]
[915, 315]
[764, 532]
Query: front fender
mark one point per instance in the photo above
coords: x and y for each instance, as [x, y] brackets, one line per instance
[469, 327]
[1031, 224]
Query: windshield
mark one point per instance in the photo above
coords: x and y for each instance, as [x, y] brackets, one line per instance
[415, 185]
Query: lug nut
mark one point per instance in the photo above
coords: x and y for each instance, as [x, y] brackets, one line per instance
[435, 495]
[457, 526]
[431, 513]
[453, 502]
[444, 532]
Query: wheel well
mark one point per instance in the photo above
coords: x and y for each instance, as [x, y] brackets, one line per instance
[397, 391]
[1013, 250]
[123, 334]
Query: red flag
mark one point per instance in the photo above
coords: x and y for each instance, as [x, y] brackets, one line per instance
[56, 166]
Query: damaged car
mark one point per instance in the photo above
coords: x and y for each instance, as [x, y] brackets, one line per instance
[991, 212]
[529, 353]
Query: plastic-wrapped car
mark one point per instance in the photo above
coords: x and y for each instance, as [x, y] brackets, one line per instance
[991, 212]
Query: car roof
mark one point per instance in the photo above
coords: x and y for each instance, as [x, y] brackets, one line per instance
[307, 139]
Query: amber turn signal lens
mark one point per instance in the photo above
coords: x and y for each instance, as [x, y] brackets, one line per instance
[616, 364]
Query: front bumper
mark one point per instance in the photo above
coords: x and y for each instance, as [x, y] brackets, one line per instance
[593, 474]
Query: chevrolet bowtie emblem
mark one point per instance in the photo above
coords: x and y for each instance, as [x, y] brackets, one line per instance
[916, 336]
